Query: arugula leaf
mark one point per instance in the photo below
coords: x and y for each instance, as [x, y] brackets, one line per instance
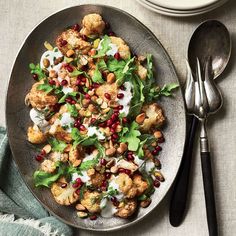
[88, 164]
[42, 178]
[131, 137]
[142, 197]
[65, 96]
[45, 87]
[168, 88]
[115, 65]
[72, 110]
[76, 72]
[140, 152]
[97, 76]
[104, 44]
[57, 145]
[36, 69]
[102, 64]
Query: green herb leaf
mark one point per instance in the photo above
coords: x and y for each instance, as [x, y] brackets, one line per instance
[168, 88]
[72, 110]
[36, 69]
[57, 145]
[45, 87]
[131, 137]
[88, 164]
[97, 76]
[65, 96]
[104, 47]
[76, 73]
[142, 197]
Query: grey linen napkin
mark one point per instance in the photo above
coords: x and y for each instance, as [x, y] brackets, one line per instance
[20, 213]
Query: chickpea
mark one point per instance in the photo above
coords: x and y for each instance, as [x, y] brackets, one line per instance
[140, 118]
[46, 63]
[70, 53]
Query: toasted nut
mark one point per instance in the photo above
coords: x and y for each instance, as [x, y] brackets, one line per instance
[145, 203]
[47, 148]
[76, 163]
[158, 134]
[140, 118]
[46, 63]
[64, 157]
[122, 148]
[122, 204]
[80, 207]
[159, 176]
[98, 168]
[94, 98]
[48, 46]
[114, 169]
[111, 151]
[104, 105]
[93, 52]
[57, 61]
[68, 147]
[87, 114]
[154, 144]
[141, 58]
[91, 92]
[91, 108]
[53, 74]
[113, 103]
[110, 163]
[99, 101]
[104, 111]
[87, 83]
[91, 172]
[96, 43]
[82, 214]
[106, 131]
[70, 53]
[118, 128]
[110, 78]
[85, 102]
[148, 154]
[157, 163]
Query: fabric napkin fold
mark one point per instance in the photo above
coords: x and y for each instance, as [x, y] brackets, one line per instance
[20, 213]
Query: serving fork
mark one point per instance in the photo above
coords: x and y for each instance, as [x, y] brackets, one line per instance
[203, 98]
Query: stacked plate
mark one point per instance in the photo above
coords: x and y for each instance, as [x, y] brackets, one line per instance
[181, 8]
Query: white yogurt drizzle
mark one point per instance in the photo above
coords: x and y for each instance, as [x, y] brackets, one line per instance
[113, 48]
[67, 120]
[38, 118]
[108, 209]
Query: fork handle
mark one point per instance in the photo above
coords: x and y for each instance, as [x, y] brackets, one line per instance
[209, 193]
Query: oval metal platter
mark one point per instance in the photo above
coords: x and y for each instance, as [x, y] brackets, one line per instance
[142, 41]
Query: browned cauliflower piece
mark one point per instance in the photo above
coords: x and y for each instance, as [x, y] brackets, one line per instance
[127, 165]
[48, 166]
[66, 195]
[127, 208]
[76, 155]
[92, 25]
[70, 39]
[112, 89]
[59, 133]
[140, 184]
[97, 179]
[35, 135]
[40, 99]
[123, 48]
[154, 117]
[91, 201]
[141, 71]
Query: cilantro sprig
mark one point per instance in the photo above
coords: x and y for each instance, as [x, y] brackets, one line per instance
[36, 69]
[57, 145]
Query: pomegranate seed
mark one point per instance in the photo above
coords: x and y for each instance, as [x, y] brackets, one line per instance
[154, 152]
[35, 76]
[112, 130]
[73, 101]
[52, 82]
[77, 191]
[39, 158]
[122, 87]
[107, 175]
[95, 85]
[113, 199]
[124, 120]
[130, 157]
[75, 185]
[64, 185]
[114, 116]
[93, 120]
[120, 107]
[63, 42]
[111, 33]
[56, 107]
[114, 126]
[128, 172]
[78, 82]
[93, 217]
[64, 82]
[83, 79]
[87, 96]
[161, 140]
[107, 96]
[107, 25]
[120, 95]
[130, 153]
[117, 56]
[43, 152]
[121, 170]
[102, 125]
[68, 100]
[104, 74]
[158, 148]
[109, 122]
[78, 181]
[76, 27]
[69, 68]
[82, 128]
[156, 183]
[103, 162]
[104, 184]
[84, 37]
[115, 136]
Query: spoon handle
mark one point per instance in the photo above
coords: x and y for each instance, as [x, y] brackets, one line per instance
[209, 193]
[180, 190]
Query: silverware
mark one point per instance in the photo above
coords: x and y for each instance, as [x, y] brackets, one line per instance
[210, 39]
[202, 99]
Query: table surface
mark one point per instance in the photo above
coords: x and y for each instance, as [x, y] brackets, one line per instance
[17, 18]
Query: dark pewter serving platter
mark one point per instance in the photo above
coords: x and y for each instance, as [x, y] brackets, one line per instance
[141, 41]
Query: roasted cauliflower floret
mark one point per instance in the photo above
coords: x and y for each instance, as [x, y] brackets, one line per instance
[40, 99]
[154, 117]
[112, 89]
[97, 179]
[127, 165]
[91, 201]
[142, 72]
[123, 48]
[76, 155]
[140, 184]
[48, 166]
[70, 39]
[35, 135]
[126, 209]
[66, 195]
[92, 25]
[59, 133]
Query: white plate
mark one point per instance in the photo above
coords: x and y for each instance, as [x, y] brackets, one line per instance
[171, 12]
[184, 4]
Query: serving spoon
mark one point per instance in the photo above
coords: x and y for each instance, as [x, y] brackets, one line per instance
[212, 40]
